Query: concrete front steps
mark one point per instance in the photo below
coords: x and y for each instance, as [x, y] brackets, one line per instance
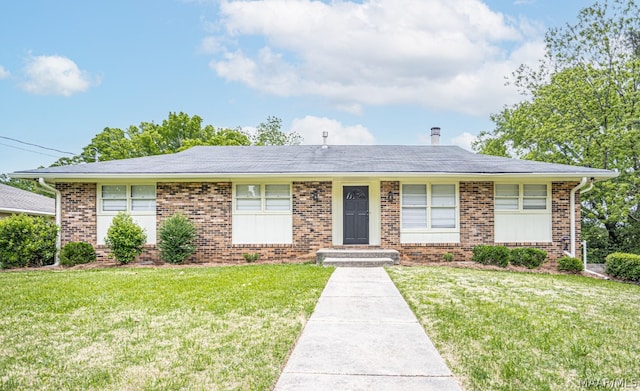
[357, 257]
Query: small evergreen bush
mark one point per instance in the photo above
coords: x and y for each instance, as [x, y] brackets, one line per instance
[528, 256]
[570, 264]
[125, 238]
[251, 257]
[27, 241]
[177, 239]
[491, 255]
[447, 257]
[624, 266]
[76, 253]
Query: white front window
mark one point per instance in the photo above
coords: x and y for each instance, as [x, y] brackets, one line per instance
[521, 197]
[114, 198]
[414, 206]
[277, 197]
[248, 197]
[522, 213]
[429, 213]
[143, 198]
[263, 198]
[429, 206]
[262, 214]
[137, 200]
[128, 198]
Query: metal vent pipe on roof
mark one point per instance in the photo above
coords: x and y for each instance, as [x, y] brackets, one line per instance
[325, 135]
[435, 136]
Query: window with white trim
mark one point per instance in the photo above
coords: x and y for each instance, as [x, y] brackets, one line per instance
[263, 197]
[521, 197]
[128, 198]
[429, 206]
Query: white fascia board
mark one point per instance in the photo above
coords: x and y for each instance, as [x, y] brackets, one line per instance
[56, 177]
[26, 211]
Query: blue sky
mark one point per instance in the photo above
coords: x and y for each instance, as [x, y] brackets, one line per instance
[367, 71]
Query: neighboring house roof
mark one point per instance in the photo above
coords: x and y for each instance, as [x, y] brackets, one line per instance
[14, 200]
[315, 161]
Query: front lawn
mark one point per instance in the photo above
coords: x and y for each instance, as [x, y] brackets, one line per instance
[522, 331]
[153, 329]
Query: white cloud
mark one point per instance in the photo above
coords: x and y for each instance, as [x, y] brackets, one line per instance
[311, 128]
[4, 73]
[210, 45]
[464, 140]
[55, 75]
[440, 54]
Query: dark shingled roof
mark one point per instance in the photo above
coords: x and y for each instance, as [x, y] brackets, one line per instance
[13, 200]
[313, 159]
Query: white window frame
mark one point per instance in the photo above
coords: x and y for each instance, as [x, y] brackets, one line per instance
[521, 197]
[263, 198]
[429, 207]
[129, 199]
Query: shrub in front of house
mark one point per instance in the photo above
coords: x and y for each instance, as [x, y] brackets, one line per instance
[570, 264]
[177, 239]
[624, 266]
[529, 257]
[125, 238]
[27, 241]
[491, 255]
[251, 257]
[76, 253]
[447, 257]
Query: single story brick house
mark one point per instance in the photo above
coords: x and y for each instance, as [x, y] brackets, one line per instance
[286, 202]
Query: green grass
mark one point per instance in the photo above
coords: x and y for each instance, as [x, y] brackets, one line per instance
[153, 329]
[521, 331]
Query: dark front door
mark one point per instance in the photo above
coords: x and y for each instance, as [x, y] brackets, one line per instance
[356, 214]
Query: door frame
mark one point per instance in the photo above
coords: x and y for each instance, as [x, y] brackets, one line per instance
[338, 210]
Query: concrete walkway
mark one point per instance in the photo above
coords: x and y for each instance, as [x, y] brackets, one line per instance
[363, 336]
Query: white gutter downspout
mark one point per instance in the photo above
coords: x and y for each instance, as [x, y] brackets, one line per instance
[45, 186]
[573, 216]
[584, 244]
[573, 226]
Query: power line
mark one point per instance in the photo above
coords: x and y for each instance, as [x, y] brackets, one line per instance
[29, 150]
[36, 145]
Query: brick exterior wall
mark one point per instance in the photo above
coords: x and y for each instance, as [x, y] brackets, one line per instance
[476, 226]
[209, 205]
[312, 220]
[79, 212]
[561, 206]
[390, 215]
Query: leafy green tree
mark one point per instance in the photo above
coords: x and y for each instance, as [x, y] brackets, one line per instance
[582, 107]
[176, 133]
[270, 133]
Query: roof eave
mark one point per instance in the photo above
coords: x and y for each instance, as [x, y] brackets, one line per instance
[26, 211]
[57, 177]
